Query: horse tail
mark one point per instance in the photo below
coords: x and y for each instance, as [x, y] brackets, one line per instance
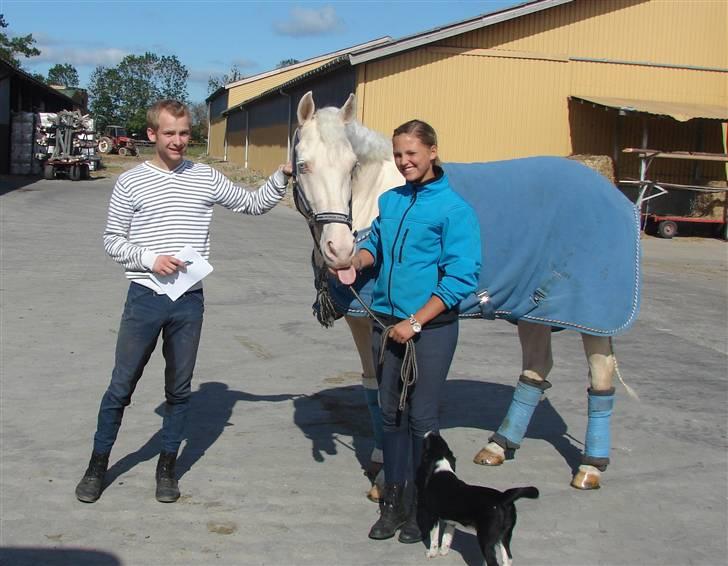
[511, 495]
[631, 392]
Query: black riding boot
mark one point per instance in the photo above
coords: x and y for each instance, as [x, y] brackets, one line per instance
[89, 488]
[392, 515]
[167, 490]
[410, 531]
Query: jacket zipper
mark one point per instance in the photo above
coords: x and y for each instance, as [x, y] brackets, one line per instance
[394, 248]
[401, 248]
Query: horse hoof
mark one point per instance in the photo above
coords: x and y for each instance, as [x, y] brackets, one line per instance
[587, 477]
[488, 457]
[374, 494]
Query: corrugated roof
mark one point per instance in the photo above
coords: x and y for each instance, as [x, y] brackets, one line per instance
[326, 67]
[680, 111]
[464, 26]
[250, 87]
[31, 79]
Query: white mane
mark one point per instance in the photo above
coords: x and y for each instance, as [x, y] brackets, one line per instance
[367, 144]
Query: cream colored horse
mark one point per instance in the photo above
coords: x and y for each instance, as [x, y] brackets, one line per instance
[342, 168]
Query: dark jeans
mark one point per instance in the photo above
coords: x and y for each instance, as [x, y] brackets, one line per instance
[146, 315]
[404, 431]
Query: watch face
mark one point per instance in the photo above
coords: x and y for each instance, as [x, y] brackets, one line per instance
[416, 327]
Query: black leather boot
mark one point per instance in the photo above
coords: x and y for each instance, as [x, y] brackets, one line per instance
[167, 490]
[89, 488]
[393, 514]
[410, 531]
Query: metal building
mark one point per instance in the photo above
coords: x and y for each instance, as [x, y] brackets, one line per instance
[227, 136]
[20, 94]
[547, 77]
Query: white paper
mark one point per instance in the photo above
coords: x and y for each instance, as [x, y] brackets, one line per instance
[178, 283]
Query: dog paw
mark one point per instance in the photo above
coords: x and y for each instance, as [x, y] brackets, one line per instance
[432, 552]
[444, 550]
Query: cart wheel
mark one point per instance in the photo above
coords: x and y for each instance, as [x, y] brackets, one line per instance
[123, 151]
[85, 172]
[75, 173]
[49, 172]
[667, 229]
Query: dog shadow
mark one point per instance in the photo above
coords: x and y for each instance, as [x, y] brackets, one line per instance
[330, 414]
[211, 407]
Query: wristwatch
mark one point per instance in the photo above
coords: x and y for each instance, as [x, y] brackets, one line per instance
[416, 326]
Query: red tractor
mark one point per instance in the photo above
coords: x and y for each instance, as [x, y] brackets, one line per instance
[115, 140]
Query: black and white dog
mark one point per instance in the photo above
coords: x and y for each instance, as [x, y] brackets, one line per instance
[441, 496]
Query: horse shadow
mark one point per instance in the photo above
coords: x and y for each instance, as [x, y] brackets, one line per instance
[330, 414]
[211, 407]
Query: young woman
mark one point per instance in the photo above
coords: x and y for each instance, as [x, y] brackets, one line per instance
[426, 242]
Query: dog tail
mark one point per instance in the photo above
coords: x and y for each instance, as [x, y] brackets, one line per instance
[510, 495]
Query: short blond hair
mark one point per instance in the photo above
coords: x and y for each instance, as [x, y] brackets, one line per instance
[174, 107]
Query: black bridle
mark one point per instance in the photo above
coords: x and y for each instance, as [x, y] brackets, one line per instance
[312, 217]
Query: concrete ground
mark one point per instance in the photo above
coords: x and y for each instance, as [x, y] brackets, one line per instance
[271, 466]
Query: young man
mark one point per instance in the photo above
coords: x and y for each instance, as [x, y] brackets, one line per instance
[156, 209]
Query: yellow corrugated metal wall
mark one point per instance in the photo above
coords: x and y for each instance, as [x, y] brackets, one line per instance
[217, 138]
[502, 91]
[266, 152]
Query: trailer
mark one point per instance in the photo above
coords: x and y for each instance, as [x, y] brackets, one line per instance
[663, 224]
[68, 138]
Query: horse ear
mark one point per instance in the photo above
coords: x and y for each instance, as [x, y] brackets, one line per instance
[306, 108]
[348, 110]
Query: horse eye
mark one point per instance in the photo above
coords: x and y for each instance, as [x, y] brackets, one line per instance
[301, 166]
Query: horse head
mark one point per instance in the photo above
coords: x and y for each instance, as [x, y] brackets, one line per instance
[323, 162]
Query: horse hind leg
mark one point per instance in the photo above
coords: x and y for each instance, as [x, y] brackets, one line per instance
[536, 365]
[361, 332]
[600, 396]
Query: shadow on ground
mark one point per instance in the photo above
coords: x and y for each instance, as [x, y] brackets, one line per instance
[341, 412]
[30, 556]
[211, 407]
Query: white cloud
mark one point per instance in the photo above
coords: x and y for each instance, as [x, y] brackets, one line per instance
[310, 21]
[78, 56]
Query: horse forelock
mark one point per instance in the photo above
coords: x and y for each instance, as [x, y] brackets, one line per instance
[328, 130]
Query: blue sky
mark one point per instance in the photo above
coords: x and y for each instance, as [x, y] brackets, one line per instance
[209, 37]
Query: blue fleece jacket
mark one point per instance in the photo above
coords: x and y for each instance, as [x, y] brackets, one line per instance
[426, 241]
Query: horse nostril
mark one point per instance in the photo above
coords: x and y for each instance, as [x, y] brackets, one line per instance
[331, 248]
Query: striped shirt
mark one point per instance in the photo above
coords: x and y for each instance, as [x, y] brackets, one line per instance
[156, 212]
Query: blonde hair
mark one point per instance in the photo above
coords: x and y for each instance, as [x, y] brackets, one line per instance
[174, 107]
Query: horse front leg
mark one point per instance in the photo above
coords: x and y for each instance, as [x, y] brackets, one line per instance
[597, 444]
[361, 332]
[537, 361]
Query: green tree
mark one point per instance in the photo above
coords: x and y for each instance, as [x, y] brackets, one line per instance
[104, 90]
[286, 63]
[217, 81]
[122, 94]
[63, 74]
[198, 111]
[11, 47]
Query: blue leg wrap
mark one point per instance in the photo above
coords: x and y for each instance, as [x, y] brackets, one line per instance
[372, 397]
[598, 441]
[513, 428]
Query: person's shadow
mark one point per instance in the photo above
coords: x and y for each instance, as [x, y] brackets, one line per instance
[338, 417]
[211, 407]
[330, 414]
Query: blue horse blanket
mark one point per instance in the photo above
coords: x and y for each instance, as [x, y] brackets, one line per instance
[561, 246]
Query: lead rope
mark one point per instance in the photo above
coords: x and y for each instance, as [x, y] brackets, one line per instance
[408, 371]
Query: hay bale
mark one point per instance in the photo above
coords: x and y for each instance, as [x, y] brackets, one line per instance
[600, 163]
[710, 206]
